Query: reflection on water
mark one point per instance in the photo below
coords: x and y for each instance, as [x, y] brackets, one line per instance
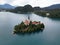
[49, 36]
[29, 33]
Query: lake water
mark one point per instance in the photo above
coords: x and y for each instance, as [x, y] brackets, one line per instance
[49, 36]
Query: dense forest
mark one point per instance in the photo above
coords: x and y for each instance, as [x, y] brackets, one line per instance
[52, 13]
[55, 13]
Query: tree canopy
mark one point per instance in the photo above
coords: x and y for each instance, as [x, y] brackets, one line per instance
[26, 8]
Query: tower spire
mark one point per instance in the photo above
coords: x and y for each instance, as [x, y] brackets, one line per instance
[28, 17]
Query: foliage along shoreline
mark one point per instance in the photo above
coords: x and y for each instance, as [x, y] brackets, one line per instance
[55, 13]
[52, 13]
[29, 27]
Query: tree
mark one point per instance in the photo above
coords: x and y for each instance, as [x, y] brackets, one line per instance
[27, 8]
[37, 8]
[20, 8]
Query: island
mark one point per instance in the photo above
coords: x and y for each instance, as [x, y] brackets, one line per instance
[28, 26]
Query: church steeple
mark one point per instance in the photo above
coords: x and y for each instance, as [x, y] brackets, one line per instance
[28, 17]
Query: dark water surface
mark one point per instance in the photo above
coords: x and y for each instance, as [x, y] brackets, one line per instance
[50, 35]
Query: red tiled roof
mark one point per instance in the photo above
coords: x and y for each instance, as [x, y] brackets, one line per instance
[35, 22]
[27, 22]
